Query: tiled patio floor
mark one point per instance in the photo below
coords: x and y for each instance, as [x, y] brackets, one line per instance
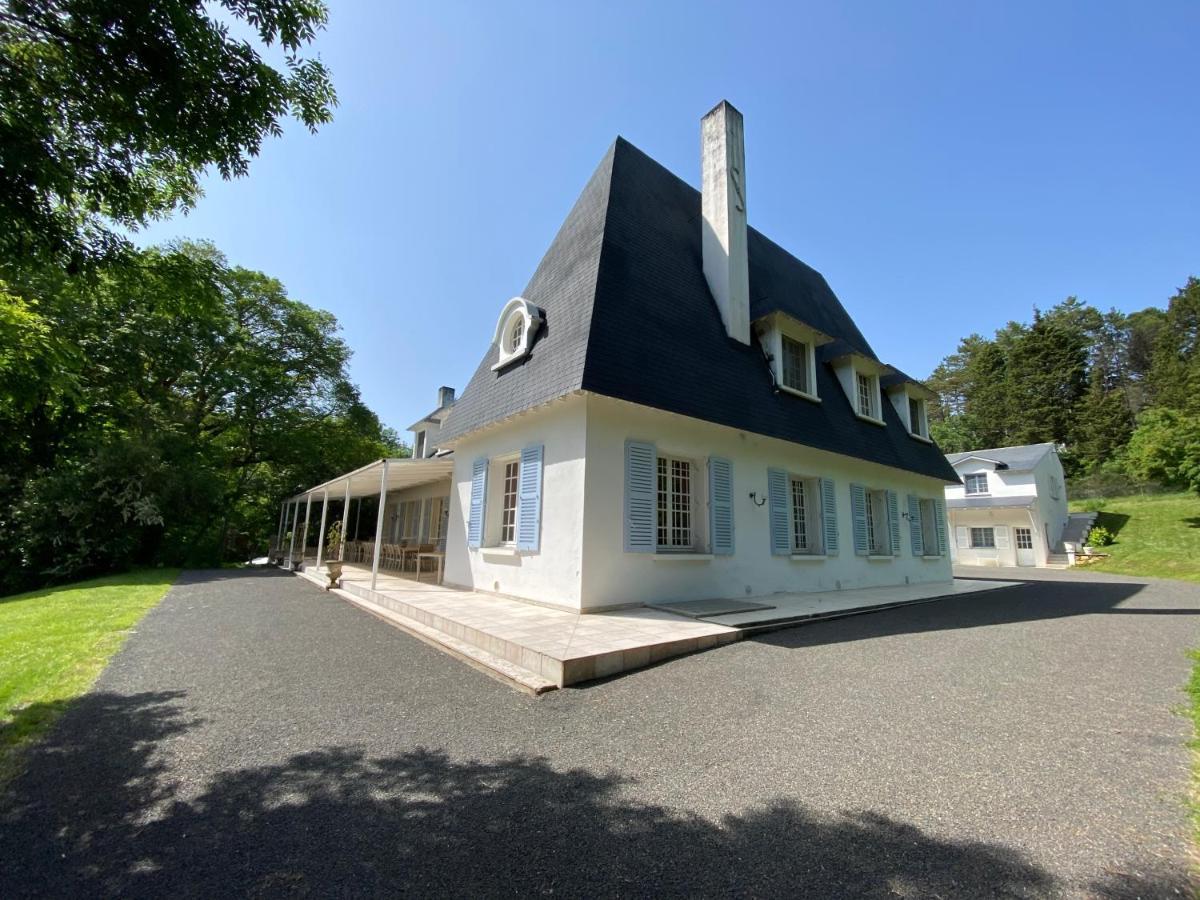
[560, 647]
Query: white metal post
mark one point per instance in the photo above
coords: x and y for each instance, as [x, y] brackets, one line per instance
[321, 533]
[295, 522]
[345, 522]
[379, 524]
[282, 519]
[304, 538]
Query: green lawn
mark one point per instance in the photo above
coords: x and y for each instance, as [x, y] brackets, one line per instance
[1156, 535]
[53, 644]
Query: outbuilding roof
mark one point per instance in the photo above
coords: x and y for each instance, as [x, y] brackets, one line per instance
[1015, 459]
[628, 314]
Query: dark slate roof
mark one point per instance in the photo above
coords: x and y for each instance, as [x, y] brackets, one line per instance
[628, 314]
[1015, 459]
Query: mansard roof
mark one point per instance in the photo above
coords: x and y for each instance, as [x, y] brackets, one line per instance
[628, 314]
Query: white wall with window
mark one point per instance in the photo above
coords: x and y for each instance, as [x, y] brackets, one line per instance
[495, 562]
[796, 534]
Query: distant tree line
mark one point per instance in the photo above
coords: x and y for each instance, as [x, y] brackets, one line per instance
[1120, 392]
[155, 405]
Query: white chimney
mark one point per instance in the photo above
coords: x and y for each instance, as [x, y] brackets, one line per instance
[723, 242]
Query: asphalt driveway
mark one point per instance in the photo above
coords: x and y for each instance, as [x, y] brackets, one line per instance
[258, 736]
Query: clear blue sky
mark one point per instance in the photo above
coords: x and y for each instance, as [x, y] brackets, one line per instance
[946, 166]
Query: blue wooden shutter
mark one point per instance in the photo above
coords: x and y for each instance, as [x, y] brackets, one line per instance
[914, 526]
[894, 521]
[829, 517]
[858, 510]
[529, 509]
[777, 512]
[939, 511]
[478, 502]
[720, 493]
[641, 476]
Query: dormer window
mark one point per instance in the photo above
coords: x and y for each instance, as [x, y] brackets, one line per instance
[517, 327]
[868, 396]
[976, 483]
[796, 357]
[790, 348]
[917, 422]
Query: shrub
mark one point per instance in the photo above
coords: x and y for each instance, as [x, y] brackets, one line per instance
[1100, 537]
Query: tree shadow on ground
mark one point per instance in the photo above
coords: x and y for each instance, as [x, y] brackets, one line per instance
[1028, 601]
[203, 576]
[98, 812]
[101, 811]
[1111, 521]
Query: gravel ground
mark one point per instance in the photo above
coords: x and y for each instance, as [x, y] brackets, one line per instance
[260, 737]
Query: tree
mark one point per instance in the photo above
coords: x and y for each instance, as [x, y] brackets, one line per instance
[1165, 447]
[189, 397]
[1175, 369]
[110, 112]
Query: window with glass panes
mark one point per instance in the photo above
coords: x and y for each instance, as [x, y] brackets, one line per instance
[795, 365]
[916, 416]
[976, 483]
[983, 537]
[508, 505]
[806, 512]
[866, 404]
[674, 503]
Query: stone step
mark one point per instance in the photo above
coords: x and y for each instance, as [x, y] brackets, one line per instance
[490, 664]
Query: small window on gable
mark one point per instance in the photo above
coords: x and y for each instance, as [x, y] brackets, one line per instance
[916, 417]
[976, 483]
[868, 395]
[419, 449]
[796, 355]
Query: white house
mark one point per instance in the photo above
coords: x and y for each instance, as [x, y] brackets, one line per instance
[1011, 507]
[673, 408]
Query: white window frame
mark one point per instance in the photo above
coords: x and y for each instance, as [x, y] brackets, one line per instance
[868, 384]
[493, 524]
[879, 523]
[438, 519]
[419, 445]
[510, 490]
[813, 523]
[517, 312]
[929, 529]
[807, 386]
[1018, 532]
[967, 484]
[981, 545]
[667, 505]
[920, 426]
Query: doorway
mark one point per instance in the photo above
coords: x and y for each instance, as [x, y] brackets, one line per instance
[1024, 538]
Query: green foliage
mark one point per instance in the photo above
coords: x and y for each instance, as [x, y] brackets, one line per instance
[1075, 376]
[110, 112]
[53, 644]
[1165, 447]
[1100, 536]
[185, 398]
[1157, 536]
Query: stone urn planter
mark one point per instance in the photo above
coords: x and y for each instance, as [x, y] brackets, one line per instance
[333, 571]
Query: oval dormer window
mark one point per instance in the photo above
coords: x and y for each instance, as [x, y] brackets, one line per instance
[515, 331]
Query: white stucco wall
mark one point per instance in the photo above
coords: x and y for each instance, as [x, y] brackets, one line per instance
[1046, 516]
[551, 575]
[613, 577]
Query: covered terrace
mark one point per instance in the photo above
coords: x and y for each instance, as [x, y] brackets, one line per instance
[407, 511]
